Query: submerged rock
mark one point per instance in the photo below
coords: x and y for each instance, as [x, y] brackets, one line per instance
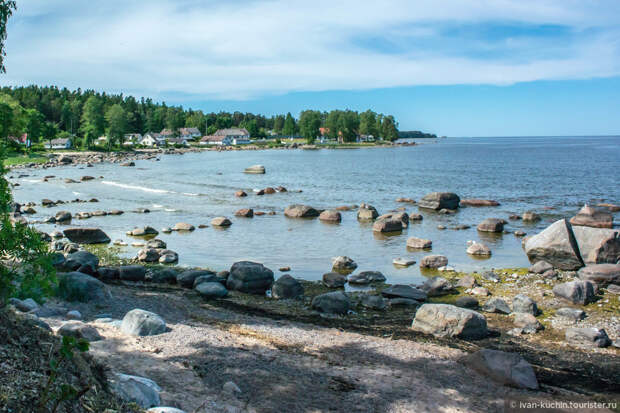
[491, 225]
[479, 249]
[478, 202]
[419, 243]
[300, 211]
[440, 200]
[367, 212]
[330, 215]
[592, 217]
[221, 222]
[255, 169]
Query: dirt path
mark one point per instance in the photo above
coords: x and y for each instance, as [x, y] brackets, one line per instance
[283, 366]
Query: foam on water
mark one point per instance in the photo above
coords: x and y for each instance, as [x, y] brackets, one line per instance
[137, 187]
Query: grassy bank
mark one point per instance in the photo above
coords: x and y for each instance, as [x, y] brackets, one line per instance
[21, 159]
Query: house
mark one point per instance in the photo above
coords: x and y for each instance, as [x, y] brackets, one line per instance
[365, 138]
[22, 140]
[237, 136]
[152, 139]
[132, 139]
[216, 140]
[189, 133]
[59, 144]
[167, 133]
[177, 141]
[102, 140]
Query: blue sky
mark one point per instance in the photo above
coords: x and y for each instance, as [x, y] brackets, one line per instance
[467, 68]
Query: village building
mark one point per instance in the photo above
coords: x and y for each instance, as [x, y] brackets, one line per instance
[152, 139]
[132, 139]
[177, 141]
[59, 144]
[21, 140]
[189, 133]
[227, 137]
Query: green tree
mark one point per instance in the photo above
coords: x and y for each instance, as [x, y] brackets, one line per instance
[390, 128]
[278, 124]
[34, 124]
[117, 124]
[290, 127]
[348, 124]
[331, 123]
[49, 131]
[93, 121]
[6, 11]
[251, 127]
[6, 121]
[368, 123]
[309, 124]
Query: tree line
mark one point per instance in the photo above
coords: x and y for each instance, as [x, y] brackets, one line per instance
[50, 112]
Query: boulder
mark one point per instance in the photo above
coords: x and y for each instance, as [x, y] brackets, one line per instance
[540, 267]
[440, 200]
[343, 264]
[415, 217]
[598, 245]
[79, 330]
[286, 287]
[245, 212]
[366, 277]
[187, 278]
[478, 202]
[419, 243]
[587, 337]
[156, 243]
[403, 262]
[466, 302]
[221, 222]
[374, 302]
[577, 292]
[479, 249]
[132, 273]
[467, 282]
[529, 216]
[445, 320]
[255, 169]
[82, 261]
[437, 286]
[610, 207]
[300, 211]
[496, 305]
[140, 232]
[601, 274]
[24, 305]
[491, 225]
[334, 280]
[240, 194]
[168, 257]
[63, 216]
[65, 159]
[331, 216]
[210, 278]
[211, 289]
[148, 255]
[509, 369]
[249, 277]
[433, 261]
[133, 389]
[388, 224]
[166, 275]
[331, 303]
[572, 314]
[593, 217]
[77, 286]
[367, 213]
[526, 322]
[556, 245]
[404, 291]
[183, 226]
[86, 235]
[269, 190]
[139, 322]
[521, 303]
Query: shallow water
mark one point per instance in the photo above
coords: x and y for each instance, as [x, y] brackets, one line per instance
[552, 176]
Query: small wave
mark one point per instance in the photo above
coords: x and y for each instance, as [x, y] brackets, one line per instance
[170, 210]
[190, 194]
[256, 190]
[157, 206]
[75, 193]
[34, 181]
[136, 187]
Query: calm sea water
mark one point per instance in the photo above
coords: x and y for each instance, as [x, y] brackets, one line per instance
[552, 176]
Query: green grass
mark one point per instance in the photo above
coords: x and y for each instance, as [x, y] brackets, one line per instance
[15, 159]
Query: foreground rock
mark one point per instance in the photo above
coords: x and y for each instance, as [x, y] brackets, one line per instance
[587, 337]
[367, 212]
[210, 290]
[133, 389]
[79, 330]
[509, 369]
[404, 291]
[597, 245]
[249, 277]
[592, 217]
[139, 322]
[82, 261]
[86, 235]
[521, 303]
[255, 169]
[440, 200]
[556, 245]
[300, 211]
[445, 320]
[77, 286]
[331, 303]
[334, 280]
[577, 292]
[601, 274]
[366, 277]
[287, 287]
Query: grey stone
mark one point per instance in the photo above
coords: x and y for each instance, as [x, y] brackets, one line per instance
[404, 291]
[24, 305]
[139, 322]
[433, 261]
[437, 286]
[209, 278]
[527, 322]
[300, 211]
[132, 273]
[221, 222]
[334, 280]
[496, 305]
[186, 278]
[331, 303]
[592, 217]
[467, 282]
[587, 336]
[601, 274]
[440, 200]
[366, 277]
[509, 369]
[491, 225]
[556, 245]
[286, 287]
[374, 302]
[402, 302]
[523, 304]
[74, 315]
[77, 286]
[367, 213]
[249, 277]
[577, 292]
[82, 261]
[142, 391]
[598, 245]
[343, 263]
[445, 320]
[572, 314]
[148, 255]
[466, 302]
[140, 232]
[419, 243]
[156, 243]
[108, 273]
[79, 330]
[211, 289]
[165, 275]
[86, 235]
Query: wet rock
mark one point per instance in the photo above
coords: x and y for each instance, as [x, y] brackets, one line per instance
[440, 200]
[478, 202]
[466, 302]
[404, 291]
[587, 337]
[115, 212]
[530, 216]
[523, 304]
[330, 215]
[415, 217]
[140, 232]
[139, 322]
[132, 273]
[572, 314]
[509, 369]
[343, 264]
[148, 255]
[445, 320]
[187, 278]
[156, 243]
[540, 267]
[221, 222]
[77, 286]
[79, 330]
[24, 305]
[86, 235]
[82, 261]
[374, 302]
[556, 245]
[598, 245]
[592, 217]
[168, 257]
[183, 226]
[63, 216]
[433, 261]
[211, 289]
[366, 277]
[496, 305]
[334, 280]
[300, 211]
[249, 277]
[403, 262]
[83, 215]
[437, 286]
[286, 287]
[491, 225]
[255, 169]
[367, 212]
[331, 303]
[163, 276]
[479, 249]
[577, 292]
[245, 212]
[387, 224]
[134, 389]
[419, 243]
[601, 274]
[610, 207]
[240, 194]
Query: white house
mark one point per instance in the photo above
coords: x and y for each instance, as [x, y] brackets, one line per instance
[216, 140]
[132, 139]
[59, 144]
[240, 140]
[177, 141]
[189, 133]
[153, 139]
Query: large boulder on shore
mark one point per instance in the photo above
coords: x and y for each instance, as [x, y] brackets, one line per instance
[577, 292]
[211, 289]
[86, 235]
[249, 277]
[587, 337]
[335, 302]
[598, 245]
[82, 261]
[556, 244]
[139, 322]
[133, 389]
[132, 273]
[601, 274]
[187, 278]
[77, 286]
[286, 287]
[440, 200]
[334, 280]
[300, 211]
[509, 369]
[445, 320]
[592, 217]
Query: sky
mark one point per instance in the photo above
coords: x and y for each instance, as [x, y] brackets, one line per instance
[454, 67]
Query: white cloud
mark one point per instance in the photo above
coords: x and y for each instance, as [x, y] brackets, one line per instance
[241, 49]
